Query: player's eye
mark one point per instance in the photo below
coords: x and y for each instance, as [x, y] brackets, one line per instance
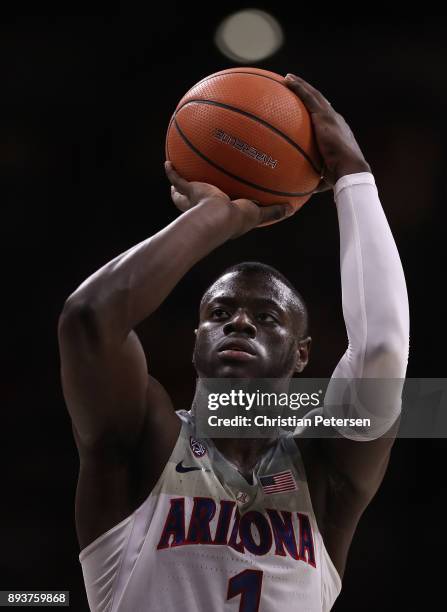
[266, 317]
[219, 314]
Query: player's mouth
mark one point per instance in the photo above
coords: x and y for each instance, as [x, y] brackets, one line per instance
[239, 350]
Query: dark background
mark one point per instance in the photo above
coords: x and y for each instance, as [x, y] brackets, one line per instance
[85, 106]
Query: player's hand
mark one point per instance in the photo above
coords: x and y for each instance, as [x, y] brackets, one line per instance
[338, 147]
[245, 214]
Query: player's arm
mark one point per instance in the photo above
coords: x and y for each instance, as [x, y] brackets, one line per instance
[368, 380]
[108, 393]
[375, 309]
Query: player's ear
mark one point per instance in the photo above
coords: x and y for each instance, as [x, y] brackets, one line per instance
[302, 354]
[195, 331]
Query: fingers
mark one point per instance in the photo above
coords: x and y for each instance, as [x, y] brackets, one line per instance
[181, 201]
[311, 97]
[180, 184]
[179, 188]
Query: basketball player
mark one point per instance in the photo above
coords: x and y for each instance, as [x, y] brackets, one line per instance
[168, 522]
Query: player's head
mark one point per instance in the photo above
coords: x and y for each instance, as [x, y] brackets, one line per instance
[253, 324]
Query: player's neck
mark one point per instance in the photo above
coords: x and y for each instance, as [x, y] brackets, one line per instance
[242, 452]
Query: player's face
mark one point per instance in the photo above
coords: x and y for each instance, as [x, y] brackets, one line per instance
[248, 329]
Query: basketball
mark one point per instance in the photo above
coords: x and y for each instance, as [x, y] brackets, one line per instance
[244, 131]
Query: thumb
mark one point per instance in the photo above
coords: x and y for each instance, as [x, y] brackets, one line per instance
[275, 212]
[266, 213]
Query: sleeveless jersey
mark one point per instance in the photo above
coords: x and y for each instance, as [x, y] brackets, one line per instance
[205, 540]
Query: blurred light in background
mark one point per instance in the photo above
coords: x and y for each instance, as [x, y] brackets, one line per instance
[249, 36]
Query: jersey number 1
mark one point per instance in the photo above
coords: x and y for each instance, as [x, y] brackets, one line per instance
[248, 585]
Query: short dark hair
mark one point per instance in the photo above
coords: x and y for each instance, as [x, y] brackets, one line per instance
[256, 267]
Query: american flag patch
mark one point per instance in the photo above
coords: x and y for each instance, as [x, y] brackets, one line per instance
[277, 483]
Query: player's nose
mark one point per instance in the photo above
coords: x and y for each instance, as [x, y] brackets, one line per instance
[241, 323]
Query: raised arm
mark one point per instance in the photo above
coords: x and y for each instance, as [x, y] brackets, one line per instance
[103, 366]
[375, 310]
[375, 306]
[115, 406]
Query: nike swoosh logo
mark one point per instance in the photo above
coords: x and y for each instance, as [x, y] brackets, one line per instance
[182, 468]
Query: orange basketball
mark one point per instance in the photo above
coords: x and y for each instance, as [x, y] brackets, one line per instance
[246, 132]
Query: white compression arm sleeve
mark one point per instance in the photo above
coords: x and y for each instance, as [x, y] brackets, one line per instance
[375, 310]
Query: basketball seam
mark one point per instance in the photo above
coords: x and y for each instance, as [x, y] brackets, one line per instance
[235, 176]
[259, 120]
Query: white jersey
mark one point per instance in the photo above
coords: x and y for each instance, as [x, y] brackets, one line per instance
[205, 540]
